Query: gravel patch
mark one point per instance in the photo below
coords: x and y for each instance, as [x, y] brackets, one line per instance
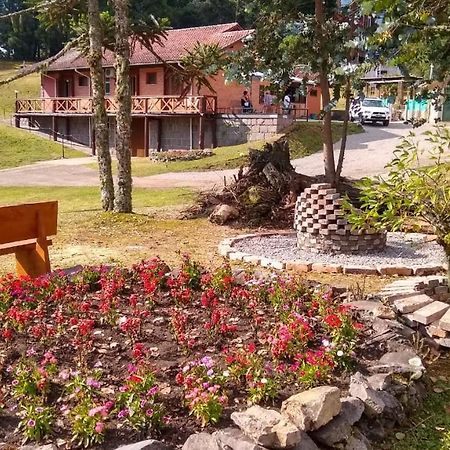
[405, 249]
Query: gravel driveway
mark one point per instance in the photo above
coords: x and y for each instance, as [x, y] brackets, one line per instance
[367, 154]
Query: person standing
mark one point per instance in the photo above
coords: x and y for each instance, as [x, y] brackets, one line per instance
[267, 102]
[246, 103]
[287, 104]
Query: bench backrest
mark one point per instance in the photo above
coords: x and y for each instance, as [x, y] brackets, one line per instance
[27, 221]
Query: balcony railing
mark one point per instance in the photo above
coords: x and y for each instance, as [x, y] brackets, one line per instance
[140, 105]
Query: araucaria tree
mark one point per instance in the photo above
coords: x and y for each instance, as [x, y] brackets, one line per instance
[123, 195]
[100, 117]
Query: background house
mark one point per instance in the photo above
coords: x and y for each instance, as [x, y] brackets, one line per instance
[161, 119]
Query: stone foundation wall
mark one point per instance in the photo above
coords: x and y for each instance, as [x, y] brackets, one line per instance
[322, 228]
[235, 129]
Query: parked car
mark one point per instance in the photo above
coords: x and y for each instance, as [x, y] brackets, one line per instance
[371, 110]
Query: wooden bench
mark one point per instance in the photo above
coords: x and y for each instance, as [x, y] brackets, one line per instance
[25, 231]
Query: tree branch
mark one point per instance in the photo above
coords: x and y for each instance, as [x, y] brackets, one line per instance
[43, 64]
[34, 8]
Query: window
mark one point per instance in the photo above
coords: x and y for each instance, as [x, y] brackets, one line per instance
[107, 86]
[313, 92]
[151, 78]
[83, 81]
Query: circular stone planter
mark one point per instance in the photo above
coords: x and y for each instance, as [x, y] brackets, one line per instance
[406, 254]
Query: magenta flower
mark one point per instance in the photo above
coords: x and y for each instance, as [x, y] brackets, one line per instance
[31, 423]
[99, 427]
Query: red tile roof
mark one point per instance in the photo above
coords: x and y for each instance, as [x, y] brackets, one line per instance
[177, 44]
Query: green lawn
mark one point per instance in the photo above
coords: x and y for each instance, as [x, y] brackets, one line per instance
[82, 199]
[19, 147]
[429, 428]
[27, 87]
[304, 139]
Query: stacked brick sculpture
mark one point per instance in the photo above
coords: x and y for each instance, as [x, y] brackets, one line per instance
[322, 228]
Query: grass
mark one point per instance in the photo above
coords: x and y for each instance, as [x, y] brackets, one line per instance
[304, 139]
[27, 87]
[429, 428]
[19, 147]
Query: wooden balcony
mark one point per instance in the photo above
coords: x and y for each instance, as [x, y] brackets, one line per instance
[161, 105]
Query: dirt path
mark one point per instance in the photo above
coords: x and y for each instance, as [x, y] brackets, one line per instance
[367, 154]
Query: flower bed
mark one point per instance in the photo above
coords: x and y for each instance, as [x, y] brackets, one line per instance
[108, 355]
[180, 155]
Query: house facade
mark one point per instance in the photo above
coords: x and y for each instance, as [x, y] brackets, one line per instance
[162, 119]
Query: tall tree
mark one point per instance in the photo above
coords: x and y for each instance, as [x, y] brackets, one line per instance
[123, 196]
[100, 117]
[309, 35]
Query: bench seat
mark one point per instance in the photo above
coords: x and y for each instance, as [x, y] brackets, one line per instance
[11, 247]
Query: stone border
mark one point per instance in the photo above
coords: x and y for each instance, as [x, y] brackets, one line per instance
[226, 250]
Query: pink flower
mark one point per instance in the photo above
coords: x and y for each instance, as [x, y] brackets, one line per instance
[99, 427]
[31, 423]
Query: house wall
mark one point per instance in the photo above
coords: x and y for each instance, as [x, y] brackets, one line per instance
[150, 89]
[82, 91]
[314, 103]
[229, 95]
[48, 86]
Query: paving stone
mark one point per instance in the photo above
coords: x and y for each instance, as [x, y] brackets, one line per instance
[395, 270]
[299, 266]
[444, 323]
[384, 312]
[363, 305]
[428, 270]
[252, 259]
[326, 268]
[430, 313]
[236, 256]
[413, 303]
[360, 270]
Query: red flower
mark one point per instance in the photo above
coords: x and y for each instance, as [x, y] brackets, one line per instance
[333, 321]
[251, 347]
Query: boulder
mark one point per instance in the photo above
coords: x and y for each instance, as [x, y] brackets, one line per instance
[352, 409]
[384, 312]
[359, 388]
[267, 427]
[202, 441]
[380, 381]
[340, 428]
[406, 362]
[312, 409]
[224, 213]
[393, 409]
[306, 443]
[356, 444]
[235, 439]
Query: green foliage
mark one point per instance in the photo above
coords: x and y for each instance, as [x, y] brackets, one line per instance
[409, 189]
[413, 32]
[37, 421]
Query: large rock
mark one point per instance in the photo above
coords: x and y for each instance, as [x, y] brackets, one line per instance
[340, 428]
[267, 427]
[223, 214]
[406, 362]
[355, 443]
[314, 408]
[149, 444]
[306, 443]
[235, 439]
[359, 388]
[393, 409]
[202, 441]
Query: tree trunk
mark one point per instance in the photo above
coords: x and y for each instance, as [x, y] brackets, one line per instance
[327, 133]
[98, 103]
[348, 93]
[123, 199]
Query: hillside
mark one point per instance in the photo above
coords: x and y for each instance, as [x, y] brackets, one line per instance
[19, 147]
[27, 87]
